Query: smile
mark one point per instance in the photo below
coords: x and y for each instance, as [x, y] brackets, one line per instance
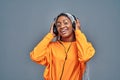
[64, 30]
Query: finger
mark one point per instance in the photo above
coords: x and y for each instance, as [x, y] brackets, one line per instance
[78, 24]
[51, 28]
[52, 24]
[78, 21]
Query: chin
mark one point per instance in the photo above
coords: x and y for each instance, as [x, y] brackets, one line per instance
[65, 36]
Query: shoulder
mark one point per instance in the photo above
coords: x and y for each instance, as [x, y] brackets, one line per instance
[54, 43]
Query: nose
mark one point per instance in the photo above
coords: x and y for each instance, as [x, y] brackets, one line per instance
[62, 25]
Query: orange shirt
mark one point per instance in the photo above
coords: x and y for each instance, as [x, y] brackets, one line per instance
[53, 54]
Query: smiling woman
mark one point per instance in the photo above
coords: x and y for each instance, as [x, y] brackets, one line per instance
[64, 28]
[65, 59]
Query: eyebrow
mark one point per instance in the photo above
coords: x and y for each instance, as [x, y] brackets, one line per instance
[63, 21]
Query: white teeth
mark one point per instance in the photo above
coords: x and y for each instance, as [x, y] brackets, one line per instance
[63, 31]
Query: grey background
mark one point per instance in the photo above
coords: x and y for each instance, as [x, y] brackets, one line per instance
[23, 23]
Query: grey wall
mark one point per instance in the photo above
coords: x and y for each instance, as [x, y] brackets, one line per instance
[23, 23]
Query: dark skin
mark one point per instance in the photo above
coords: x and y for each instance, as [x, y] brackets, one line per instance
[65, 29]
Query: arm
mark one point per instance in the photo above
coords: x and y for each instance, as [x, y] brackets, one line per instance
[85, 48]
[40, 53]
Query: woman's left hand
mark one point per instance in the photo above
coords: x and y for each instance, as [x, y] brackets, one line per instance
[78, 24]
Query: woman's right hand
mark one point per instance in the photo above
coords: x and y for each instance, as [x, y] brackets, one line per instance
[51, 29]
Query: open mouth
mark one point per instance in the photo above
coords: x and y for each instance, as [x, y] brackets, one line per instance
[64, 31]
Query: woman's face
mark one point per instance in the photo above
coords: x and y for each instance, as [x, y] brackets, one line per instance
[64, 27]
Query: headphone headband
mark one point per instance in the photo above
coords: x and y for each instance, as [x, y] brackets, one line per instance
[70, 16]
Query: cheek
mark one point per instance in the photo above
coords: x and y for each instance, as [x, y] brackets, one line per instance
[71, 29]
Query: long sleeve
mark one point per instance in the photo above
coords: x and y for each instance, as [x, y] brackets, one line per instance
[85, 48]
[40, 53]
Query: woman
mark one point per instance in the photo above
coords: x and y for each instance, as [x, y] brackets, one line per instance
[65, 58]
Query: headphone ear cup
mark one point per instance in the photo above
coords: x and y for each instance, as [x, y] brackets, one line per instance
[55, 30]
[74, 17]
[73, 25]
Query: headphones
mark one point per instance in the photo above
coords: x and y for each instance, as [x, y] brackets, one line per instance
[70, 16]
